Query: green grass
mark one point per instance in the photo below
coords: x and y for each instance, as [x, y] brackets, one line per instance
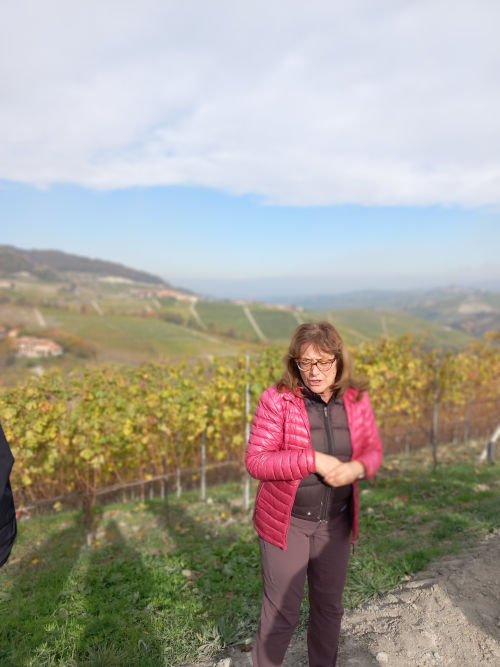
[411, 518]
[144, 594]
[152, 593]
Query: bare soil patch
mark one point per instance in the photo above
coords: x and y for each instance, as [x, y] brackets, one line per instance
[447, 615]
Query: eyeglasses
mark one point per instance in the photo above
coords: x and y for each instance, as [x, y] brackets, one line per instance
[321, 364]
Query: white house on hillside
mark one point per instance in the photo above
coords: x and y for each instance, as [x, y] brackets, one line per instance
[29, 346]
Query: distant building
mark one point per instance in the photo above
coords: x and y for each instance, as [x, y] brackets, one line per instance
[114, 279]
[162, 293]
[33, 348]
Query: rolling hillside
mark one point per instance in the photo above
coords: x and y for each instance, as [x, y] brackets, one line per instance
[121, 320]
[473, 311]
[356, 326]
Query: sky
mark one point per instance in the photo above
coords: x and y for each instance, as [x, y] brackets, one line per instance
[253, 149]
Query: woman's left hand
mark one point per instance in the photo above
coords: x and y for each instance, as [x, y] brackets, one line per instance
[344, 473]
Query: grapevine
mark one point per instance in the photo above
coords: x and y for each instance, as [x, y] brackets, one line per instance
[111, 424]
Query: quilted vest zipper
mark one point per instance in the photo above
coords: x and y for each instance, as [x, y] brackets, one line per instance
[326, 495]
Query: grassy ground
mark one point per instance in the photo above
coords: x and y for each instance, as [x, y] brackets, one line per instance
[150, 592]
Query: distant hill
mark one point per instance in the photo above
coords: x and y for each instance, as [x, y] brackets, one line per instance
[467, 309]
[450, 315]
[386, 299]
[54, 264]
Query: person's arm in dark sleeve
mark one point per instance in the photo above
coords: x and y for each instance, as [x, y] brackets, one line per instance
[8, 524]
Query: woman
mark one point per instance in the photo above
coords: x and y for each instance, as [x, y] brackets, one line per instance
[313, 436]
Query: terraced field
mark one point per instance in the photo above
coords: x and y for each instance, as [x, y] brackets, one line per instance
[180, 309]
[18, 316]
[227, 319]
[361, 325]
[135, 339]
[276, 325]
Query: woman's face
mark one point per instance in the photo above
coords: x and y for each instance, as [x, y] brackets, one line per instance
[318, 381]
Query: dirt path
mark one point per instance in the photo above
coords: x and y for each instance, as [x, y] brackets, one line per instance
[446, 615]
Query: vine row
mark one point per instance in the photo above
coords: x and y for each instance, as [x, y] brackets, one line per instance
[107, 425]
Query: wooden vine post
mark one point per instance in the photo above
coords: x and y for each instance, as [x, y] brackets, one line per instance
[164, 489]
[435, 412]
[203, 476]
[178, 478]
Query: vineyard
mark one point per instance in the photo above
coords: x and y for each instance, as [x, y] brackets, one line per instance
[110, 425]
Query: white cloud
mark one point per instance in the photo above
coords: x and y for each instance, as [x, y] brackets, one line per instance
[385, 102]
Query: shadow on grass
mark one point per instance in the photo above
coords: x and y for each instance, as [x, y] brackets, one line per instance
[118, 611]
[155, 595]
[219, 553]
[30, 599]
[64, 603]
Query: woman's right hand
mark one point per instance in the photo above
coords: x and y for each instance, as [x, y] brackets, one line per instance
[336, 472]
[326, 463]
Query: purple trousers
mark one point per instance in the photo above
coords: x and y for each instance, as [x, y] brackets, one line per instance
[320, 552]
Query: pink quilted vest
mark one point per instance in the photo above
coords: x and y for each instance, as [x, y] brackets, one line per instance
[280, 454]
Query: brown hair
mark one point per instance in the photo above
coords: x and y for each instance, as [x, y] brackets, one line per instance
[324, 336]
